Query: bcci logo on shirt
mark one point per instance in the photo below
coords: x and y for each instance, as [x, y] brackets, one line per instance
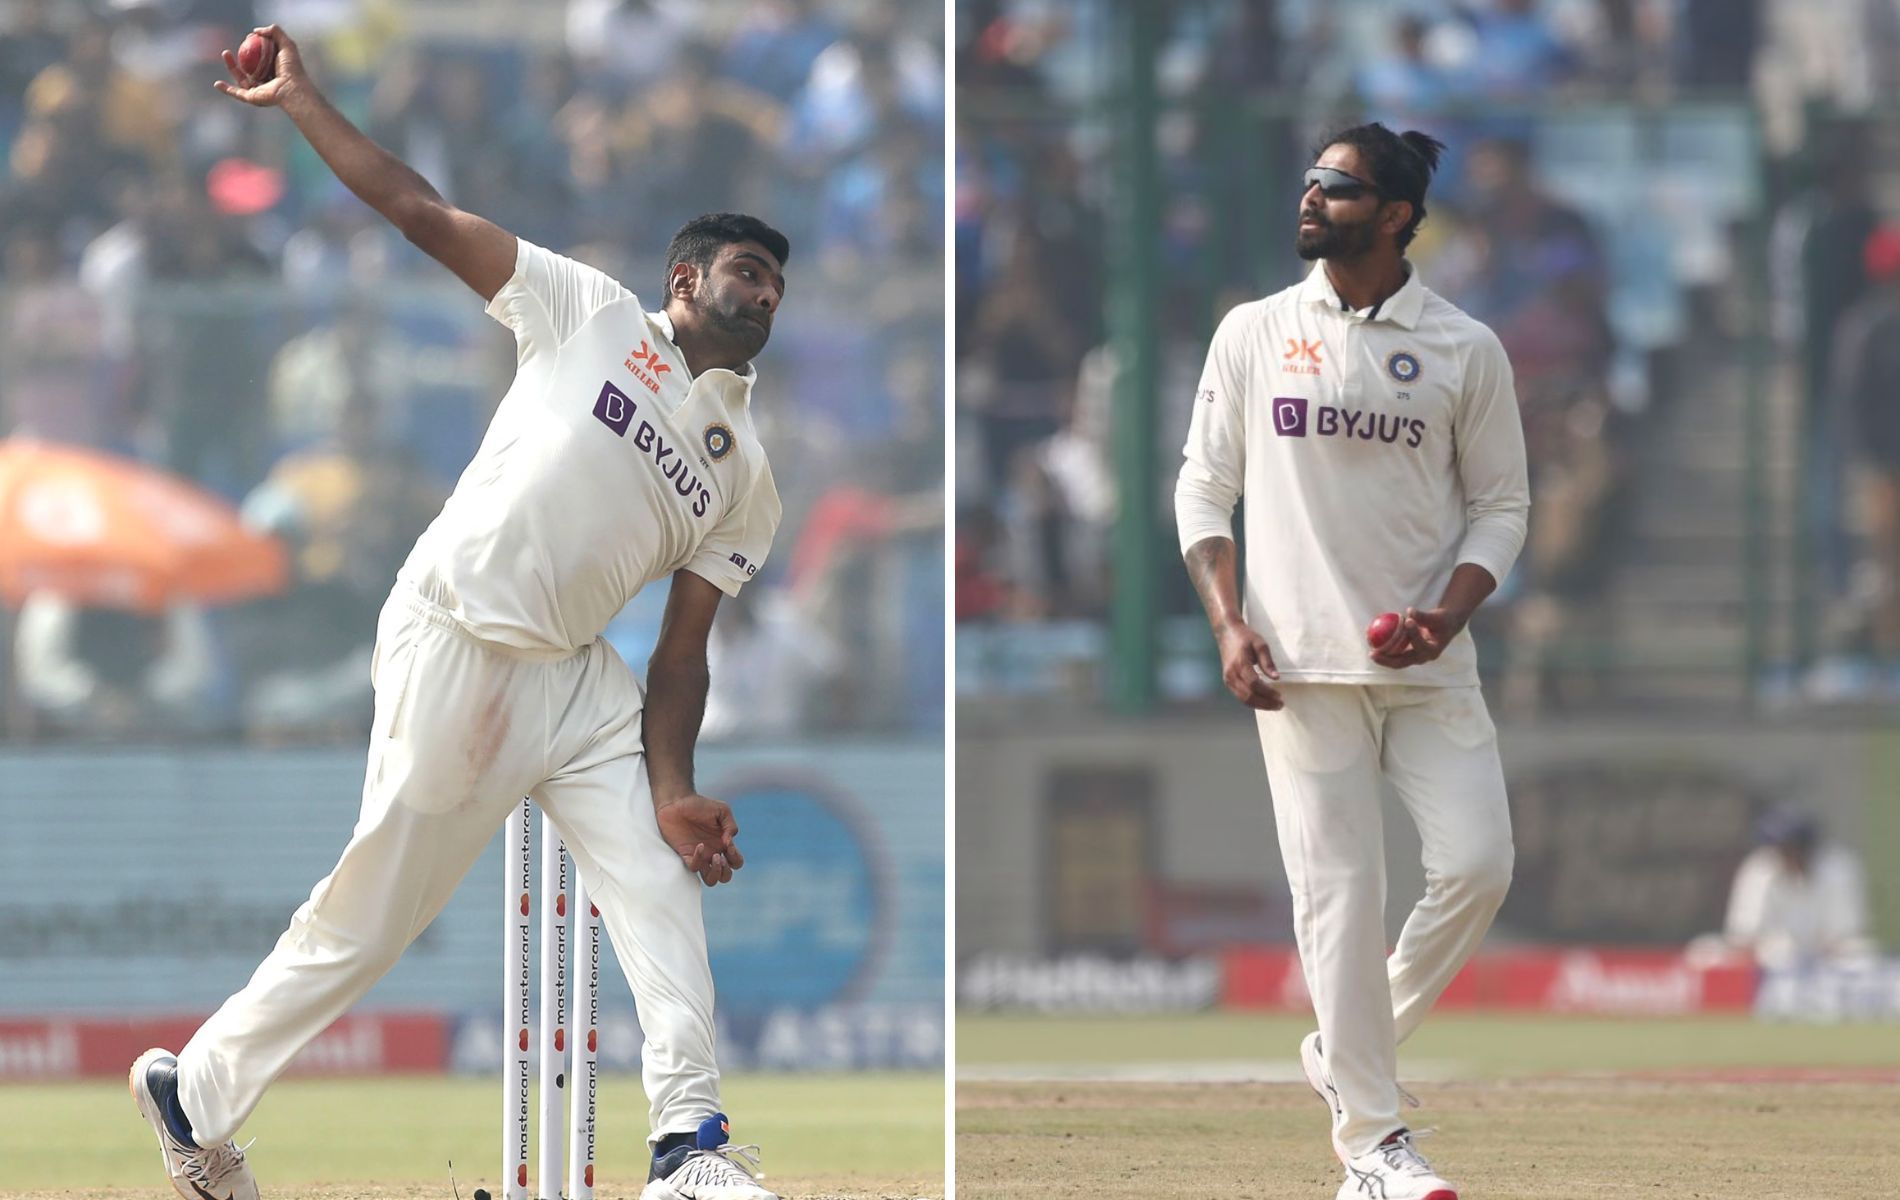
[1289, 416]
[1403, 367]
[718, 441]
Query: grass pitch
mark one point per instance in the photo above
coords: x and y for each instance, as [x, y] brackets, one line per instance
[1526, 1108]
[850, 1137]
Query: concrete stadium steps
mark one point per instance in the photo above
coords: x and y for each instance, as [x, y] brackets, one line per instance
[1678, 597]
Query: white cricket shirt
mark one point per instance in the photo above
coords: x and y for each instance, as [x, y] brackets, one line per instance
[1376, 450]
[606, 467]
[1789, 919]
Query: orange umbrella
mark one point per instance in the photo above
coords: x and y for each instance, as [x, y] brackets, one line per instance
[108, 531]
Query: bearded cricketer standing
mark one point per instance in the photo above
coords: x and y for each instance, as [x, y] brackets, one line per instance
[624, 453]
[1373, 429]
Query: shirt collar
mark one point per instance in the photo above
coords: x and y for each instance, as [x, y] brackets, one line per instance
[1403, 307]
[664, 323]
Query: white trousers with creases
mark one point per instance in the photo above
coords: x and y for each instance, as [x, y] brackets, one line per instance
[463, 729]
[1326, 752]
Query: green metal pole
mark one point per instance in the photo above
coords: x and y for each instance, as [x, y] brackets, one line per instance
[1134, 280]
[1756, 569]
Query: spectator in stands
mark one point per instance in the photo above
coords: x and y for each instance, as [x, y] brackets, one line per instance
[540, 195]
[126, 107]
[1817, 246]
[984, 592]
[1866, 364]
[63, 174]
[876, 78]
[350, 507]
[630, 41]
[318, 375]
[1516, 54]
[56, 380]
[1020, 361]
[1716, 42]
[113, 674]
[29, 40]
[1796, 900]
[436, 112]
[161, 252]
[694, 134]
[775, 44]
[1532, 268]
[1404, 86]
[206, 360]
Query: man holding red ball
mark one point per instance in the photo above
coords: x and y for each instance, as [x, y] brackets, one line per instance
[1373, 429]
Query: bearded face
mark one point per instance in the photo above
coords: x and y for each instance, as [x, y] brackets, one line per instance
[732, 310]
[1340, 208]
[1321, 236]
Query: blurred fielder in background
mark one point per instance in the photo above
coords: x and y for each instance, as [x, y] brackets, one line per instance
[624, 453]
[1374, 431]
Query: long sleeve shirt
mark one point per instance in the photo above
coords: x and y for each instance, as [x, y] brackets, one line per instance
[1788, 918]
[1376, 450]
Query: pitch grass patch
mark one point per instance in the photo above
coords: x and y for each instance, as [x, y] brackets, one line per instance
[1513, 1140]
[1473, 1045]
[825, 1137]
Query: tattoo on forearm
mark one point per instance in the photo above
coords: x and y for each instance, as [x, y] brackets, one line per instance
[1210, 564]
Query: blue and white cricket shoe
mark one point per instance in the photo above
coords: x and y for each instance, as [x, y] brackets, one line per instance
[712, 1169]
[218, 1173]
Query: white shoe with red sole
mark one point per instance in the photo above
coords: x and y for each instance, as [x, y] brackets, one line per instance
[1394, 1170]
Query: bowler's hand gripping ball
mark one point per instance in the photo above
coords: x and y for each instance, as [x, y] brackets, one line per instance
[257, 57]
[1384, 632]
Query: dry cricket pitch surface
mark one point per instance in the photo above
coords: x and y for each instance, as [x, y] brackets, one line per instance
[1525, 1110]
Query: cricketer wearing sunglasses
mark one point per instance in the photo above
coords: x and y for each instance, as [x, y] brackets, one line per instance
[1373, 431]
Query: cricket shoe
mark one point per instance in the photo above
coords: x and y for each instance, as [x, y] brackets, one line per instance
[1321, 1080]
[1394, 1170]
[197, 1173]
[711, 1169]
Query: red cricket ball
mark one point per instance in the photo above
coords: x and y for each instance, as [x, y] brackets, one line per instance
[257, 57]
[1384, 630]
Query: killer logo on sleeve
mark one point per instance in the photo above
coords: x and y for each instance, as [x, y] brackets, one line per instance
[646, 366]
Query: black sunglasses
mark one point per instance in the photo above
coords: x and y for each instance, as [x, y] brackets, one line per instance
[1336, 184]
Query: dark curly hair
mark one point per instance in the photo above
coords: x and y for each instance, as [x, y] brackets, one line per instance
[1401, 165]
[700, 238]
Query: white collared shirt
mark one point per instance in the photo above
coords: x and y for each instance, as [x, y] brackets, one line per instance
[1376, 450]
[607, 466]
[1789, 919]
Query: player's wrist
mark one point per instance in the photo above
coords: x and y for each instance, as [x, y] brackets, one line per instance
[299, 98]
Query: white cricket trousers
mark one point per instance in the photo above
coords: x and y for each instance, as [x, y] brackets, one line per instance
[1326, 752]
[462, 730]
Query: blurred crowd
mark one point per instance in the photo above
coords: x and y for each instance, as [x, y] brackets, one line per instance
[1602, 239]
[183, 282]
[1835, 257]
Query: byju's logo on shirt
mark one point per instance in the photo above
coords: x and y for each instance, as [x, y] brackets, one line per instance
[615, 409]
[1289, 416]
[1290, 420]
[646, 367]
